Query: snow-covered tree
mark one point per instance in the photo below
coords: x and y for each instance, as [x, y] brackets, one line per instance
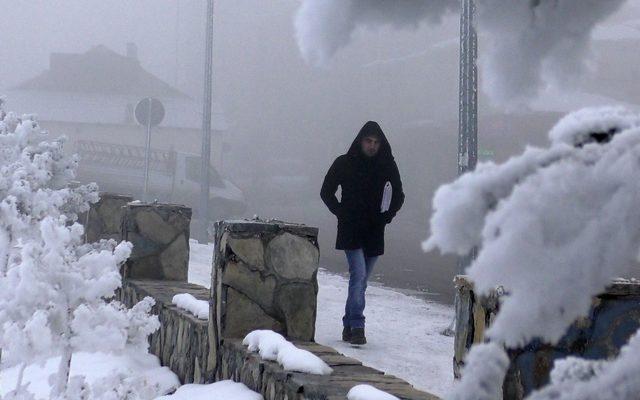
[55, 290]
[553, 226]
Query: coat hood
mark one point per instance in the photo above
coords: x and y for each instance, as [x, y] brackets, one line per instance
[369, 129]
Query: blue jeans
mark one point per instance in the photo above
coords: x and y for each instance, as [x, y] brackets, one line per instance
[360, 268]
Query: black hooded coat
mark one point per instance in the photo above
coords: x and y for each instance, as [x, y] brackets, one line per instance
[362, 179]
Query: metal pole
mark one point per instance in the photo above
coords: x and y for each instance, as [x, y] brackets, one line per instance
[468, 113]
[147, 153]
[206, 122]
[177, 49]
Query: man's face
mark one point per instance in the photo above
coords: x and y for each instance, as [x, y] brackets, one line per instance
[370, 145]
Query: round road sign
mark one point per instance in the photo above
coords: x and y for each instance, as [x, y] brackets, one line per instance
[149, 111]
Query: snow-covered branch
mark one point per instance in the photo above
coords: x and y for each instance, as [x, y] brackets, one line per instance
[554, 225]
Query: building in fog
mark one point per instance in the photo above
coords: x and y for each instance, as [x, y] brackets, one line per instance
[92, 96]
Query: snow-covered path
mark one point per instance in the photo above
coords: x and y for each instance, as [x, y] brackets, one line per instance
[403, 331]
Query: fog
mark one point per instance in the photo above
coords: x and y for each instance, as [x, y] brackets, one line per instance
[286, 120]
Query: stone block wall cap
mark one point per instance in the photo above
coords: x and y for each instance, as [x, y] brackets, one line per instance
[625, 281]
[138, 203]
[269, 225]
[623, 287]
[112, 195]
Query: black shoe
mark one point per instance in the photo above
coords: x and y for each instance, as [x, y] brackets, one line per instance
[357, 336]
[346, 334]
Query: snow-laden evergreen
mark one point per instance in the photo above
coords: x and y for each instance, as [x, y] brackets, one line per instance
[53, 287]
[553, 226]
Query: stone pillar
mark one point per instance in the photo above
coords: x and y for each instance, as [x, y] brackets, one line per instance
[104, 219]
[264, 277]
[160, 237]
[614, 317]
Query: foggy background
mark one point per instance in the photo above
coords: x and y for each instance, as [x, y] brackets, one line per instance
[287, 121]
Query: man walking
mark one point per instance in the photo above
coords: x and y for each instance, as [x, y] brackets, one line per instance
[371, 196]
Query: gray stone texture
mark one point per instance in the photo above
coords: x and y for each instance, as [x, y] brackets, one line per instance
[292, 257]
[297, 308]
[243, 316]
[614, 317]
[160, 237]
[182, 342]
[248, 250]
[265, 277]
[104, 218]
[256, 286]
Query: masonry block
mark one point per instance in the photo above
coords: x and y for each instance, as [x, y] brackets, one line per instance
[104, 218]
[265, 277]
[160, 237]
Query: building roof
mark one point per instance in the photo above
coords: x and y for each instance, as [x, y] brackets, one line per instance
[103, 87]
[100, 70]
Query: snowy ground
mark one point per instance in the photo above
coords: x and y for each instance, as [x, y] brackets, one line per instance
[143, 369]
[224, 390]
[403, 331]
[403, 334]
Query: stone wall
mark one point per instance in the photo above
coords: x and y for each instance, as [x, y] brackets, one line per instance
[264, 277]
[269, 379]
[614, 317]
[160, 237]
[159, 267]
[104, 218]
[182, 342]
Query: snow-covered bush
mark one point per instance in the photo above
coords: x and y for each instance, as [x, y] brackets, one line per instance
[54, 289]
[553, 226]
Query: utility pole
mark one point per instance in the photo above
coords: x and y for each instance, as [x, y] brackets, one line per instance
[468, 112]
[205, 155]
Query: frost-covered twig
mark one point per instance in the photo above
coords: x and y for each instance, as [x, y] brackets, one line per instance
[554, 226]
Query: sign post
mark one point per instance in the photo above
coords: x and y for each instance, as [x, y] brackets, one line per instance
[149, 112]
[205, 155]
